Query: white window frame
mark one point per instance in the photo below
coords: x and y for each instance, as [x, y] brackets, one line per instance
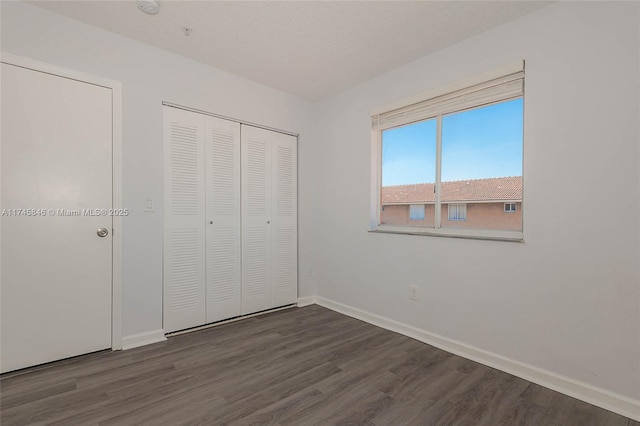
[413, 207]
[458, 207]
[515, 208]
[489, 88]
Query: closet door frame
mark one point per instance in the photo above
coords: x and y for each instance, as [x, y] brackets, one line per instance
[116, 123]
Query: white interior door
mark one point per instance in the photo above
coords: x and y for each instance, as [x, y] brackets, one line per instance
[284, 223]
[55, 158]
[256, 219]
[223, 274]
[184, 230]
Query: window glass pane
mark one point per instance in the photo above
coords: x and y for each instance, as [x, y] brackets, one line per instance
[457, 212]
[482, 165]
[408, 173]
[416, 212]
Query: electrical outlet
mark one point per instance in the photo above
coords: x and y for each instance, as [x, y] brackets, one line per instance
[413, 292]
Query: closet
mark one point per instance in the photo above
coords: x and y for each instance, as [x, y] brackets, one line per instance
[230, 219]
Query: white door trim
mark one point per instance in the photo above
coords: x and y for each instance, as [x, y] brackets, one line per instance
[116, 90]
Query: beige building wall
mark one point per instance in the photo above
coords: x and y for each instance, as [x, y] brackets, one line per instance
[399, 215]
[479, 216]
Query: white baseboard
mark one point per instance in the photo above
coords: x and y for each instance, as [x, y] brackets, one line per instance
[306, 301]
[141, 339]
[611, 401]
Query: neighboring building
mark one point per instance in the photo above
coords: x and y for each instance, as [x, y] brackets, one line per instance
[494, 203]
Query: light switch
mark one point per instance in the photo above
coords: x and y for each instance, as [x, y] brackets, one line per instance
[149, 204]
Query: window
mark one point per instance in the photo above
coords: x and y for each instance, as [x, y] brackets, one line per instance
[416, 212]
[457, 212]
[457, 149]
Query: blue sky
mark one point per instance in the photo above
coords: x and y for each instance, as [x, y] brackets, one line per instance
[479, 143]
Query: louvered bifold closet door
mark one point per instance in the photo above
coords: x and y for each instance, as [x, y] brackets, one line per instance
[184, 232]
[284, 220]
[223, 276]
[256, 219]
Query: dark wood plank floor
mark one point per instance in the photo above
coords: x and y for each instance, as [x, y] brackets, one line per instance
[302, 366]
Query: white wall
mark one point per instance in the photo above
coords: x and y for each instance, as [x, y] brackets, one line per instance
[568, 299]
[150, 76]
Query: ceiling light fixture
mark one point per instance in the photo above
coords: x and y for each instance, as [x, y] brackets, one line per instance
[150, 7]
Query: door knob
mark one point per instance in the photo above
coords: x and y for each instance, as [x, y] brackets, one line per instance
[102, 232]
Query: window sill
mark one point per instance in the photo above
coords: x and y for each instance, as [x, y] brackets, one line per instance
[473, 234]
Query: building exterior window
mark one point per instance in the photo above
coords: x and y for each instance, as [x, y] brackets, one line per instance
[457, 212]
[416, 212]
[460, 150]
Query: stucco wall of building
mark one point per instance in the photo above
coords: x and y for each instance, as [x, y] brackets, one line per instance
[479, 216]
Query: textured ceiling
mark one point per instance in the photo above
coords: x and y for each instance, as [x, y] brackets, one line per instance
[312, 49]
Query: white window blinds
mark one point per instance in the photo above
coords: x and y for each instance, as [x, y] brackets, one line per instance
[502, 88]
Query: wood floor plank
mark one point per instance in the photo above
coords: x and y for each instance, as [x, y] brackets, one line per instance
[262, 398]
[342, 392]
[300, 366]
[284, 407]
[13, 399]
[523, 413]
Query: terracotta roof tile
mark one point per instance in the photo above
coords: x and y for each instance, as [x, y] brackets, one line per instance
[492, 189]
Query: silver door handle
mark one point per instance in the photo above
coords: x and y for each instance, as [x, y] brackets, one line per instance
[102, 232]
